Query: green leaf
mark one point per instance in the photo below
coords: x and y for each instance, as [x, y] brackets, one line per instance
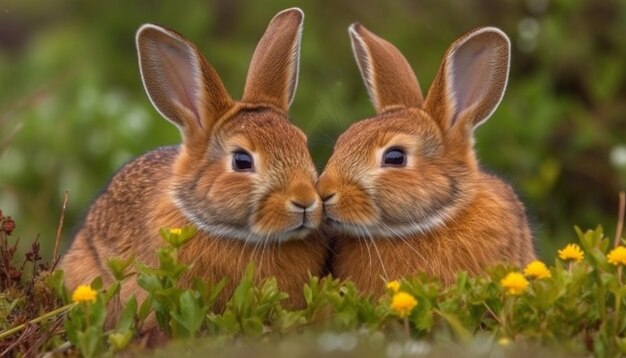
[89, 341]
[423, 317]
[461, 281]
[96, 283]
[621, 344]
[145, 309]
[149, 282]
[97, 313]
[290, 320]
[119, 267]
[56, 282]
[456, 326]
[209, 291]
[111, 291]
[177, 240]
[242, 296]
[120, 339]
[546, 293]
[308, 294]
[191, 314]
[129, 313]
[226, 323]
[252, 326]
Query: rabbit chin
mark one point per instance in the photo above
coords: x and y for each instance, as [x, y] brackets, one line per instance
[226, 232]
[380, 229]
[247, 233]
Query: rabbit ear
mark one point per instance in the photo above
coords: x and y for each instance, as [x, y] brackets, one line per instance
[471, 80]
[273, 74]
[389, 79]
[181, 85]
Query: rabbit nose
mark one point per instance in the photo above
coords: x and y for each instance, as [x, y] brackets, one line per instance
[327, 186]
[326, 198]
[303, 196]
[303, 205]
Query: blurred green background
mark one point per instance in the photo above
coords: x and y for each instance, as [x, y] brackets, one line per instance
[72, 107]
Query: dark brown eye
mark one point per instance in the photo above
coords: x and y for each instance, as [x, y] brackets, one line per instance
[242, 161]
[394, 157]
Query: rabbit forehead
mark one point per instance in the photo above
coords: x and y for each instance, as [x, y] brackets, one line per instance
[410, 128]
[279, 144]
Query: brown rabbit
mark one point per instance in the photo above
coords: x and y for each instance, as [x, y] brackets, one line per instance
[403, 190]
[243, 174]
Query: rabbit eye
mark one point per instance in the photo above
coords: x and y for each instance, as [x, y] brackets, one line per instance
[394, 157]
[242, 161]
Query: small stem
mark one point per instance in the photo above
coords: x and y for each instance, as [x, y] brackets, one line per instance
[620, 218]
[4, 258]
[36, 320]
[492, 313]
[508, 315]
[618, 296]
[59, 229]
[407, 331]
[86, 307]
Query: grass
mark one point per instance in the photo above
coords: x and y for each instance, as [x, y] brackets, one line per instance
[574, 306]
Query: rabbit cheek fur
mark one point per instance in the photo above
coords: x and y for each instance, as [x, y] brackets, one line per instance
[437, 212]
[267, 213]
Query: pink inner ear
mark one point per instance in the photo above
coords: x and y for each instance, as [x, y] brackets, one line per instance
[175, 72]
[471, 76]
[181, 85]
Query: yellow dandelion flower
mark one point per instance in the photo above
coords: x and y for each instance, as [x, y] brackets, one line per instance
[537, 269]
[84, 293]
[394, 286]
[515, 283]
[617, 256]
[504, 341]
[176, 231]
[571, 252]
[403, 303]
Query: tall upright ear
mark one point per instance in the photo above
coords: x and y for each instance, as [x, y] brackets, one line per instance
[181, 85]
[471, 80]
[390, 81]
[273, 73]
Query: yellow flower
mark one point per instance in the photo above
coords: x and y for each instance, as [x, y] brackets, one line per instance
[537, 269]
[394, 286]
[84, 293]
[515, 283]
[571, 252]
[617, 256]
[504, 341]
[403, 303]
[176, 231]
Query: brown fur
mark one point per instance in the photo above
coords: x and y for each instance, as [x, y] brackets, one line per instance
[211, 257]
[267, 216]
[472, 241]
[439, 213]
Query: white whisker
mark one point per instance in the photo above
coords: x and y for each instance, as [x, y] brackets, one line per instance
[382, 263]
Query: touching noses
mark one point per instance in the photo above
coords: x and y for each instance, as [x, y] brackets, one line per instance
[326, 188]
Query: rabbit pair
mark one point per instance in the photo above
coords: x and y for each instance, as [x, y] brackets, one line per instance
[403, 187]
